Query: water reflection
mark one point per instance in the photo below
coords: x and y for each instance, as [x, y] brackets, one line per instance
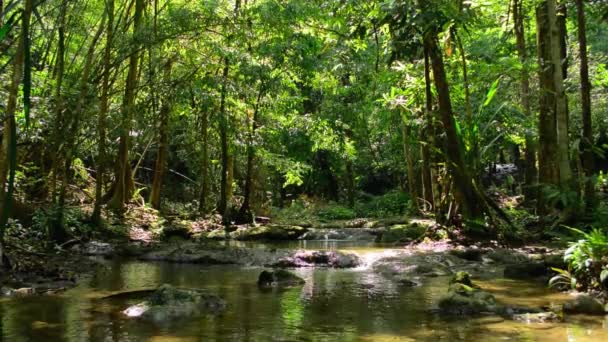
[333, 305]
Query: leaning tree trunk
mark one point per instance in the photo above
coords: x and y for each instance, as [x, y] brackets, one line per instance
[530, 172]
[124, 185]
[159, 168]
[8, 148]
[466, 196]
[587, 138]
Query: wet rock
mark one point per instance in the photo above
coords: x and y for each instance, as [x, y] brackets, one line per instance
[463, 278]
[23, 291]
[178, 229]
[526, 270]
[95, 248]
[585, 304]
[402, 233]
[269, 232]
[505, 256]
[193, 256]
[470, 254]
[319, 258]
[464, 300]
[555, 261]
[279, 278]
[349, 234]
[538, 317]
[356, 223]
[405, 282]
[417, 265]
[169, 303]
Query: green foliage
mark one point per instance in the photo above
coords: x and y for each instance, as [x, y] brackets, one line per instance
[73, 221]
[335, 211]
[587, 260]
[393, 203]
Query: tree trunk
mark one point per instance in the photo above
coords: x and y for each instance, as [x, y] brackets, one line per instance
[530, 175]
[59, 125]
[124, 186]
[430, 166]
[554, 164]
[202, 206]
[103, 113]
[8, 150]
[410, 165]
[159, 168]
[224, 198]
[587, 138]
[245, 213]
[465, 195]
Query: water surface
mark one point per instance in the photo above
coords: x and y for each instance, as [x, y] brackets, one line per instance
[334, 305]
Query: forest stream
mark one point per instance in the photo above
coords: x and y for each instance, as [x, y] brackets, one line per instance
[334, 304]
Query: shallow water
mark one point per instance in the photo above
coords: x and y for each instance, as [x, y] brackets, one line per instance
[333, 305]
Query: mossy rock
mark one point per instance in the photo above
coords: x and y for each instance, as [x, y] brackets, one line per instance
[182, 229]
[463, 278]
[269, 232]
[402, 233]
[218, 234]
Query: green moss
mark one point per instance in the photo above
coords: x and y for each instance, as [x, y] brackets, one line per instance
[402, 233]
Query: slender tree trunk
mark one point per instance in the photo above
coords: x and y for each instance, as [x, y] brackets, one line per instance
[431, 167]
[103, 113]
[8, 148]
[408, 152]
[587, 138]
[57, 231]
[245, 213]
[227, 157]
[59, 127]
[159, 168]
[530, 175]
[124, 186]
[202, 207]
[465, 194]
[224, 198]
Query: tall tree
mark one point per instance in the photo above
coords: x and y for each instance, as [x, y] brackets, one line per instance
[530, 172]
[103, 112]
[8, 149]
[587, 134]
[554, 161]
[124, 185]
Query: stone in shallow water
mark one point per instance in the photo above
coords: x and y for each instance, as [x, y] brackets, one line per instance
[279, 278]
[538, 317]
[526, 270]
[585, 304]
[168, 303]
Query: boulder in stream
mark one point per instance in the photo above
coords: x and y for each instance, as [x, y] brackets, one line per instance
[268, 232]
[526, 270]
[464, 298]
[168, 303]
[585, 304]
[319, 258]
[279, 278]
